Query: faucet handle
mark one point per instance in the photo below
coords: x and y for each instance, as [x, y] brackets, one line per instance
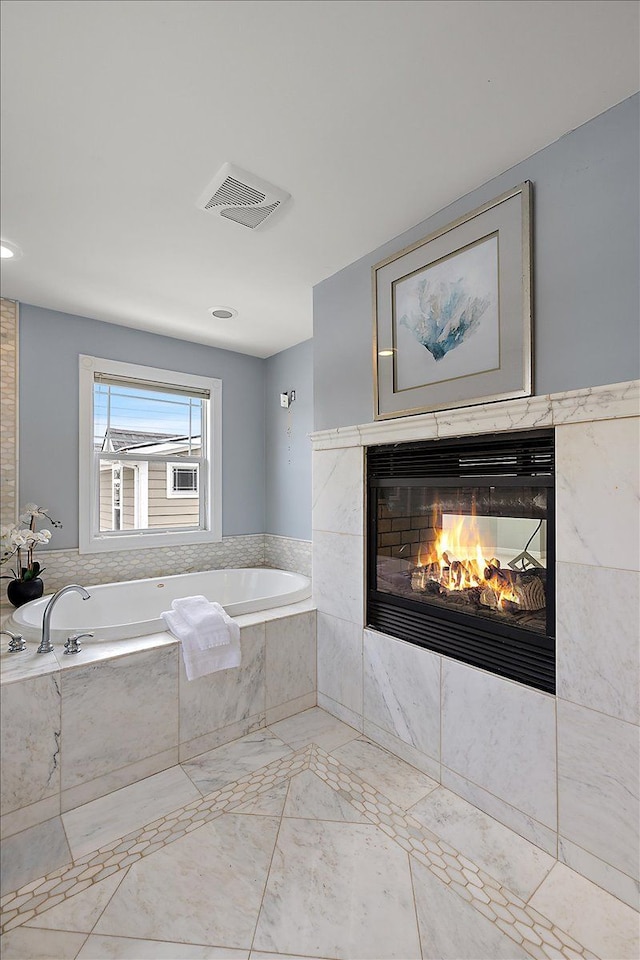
[16, 641]
[72, 644]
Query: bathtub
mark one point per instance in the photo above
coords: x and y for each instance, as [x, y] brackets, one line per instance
[117, 611]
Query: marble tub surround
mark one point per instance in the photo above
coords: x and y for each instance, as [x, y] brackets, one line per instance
[522, 757]
[117, 714]
[311, 859]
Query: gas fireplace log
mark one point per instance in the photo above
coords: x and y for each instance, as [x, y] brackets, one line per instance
[527, 587]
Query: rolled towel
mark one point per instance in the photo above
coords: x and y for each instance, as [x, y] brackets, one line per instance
[199, 662]
[213, 626]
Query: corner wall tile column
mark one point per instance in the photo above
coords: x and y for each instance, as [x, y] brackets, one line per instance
[338, 578]
[9, 406]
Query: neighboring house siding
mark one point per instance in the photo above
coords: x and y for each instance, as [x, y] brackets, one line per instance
[169, 511]
[128, 498]
[106, 500]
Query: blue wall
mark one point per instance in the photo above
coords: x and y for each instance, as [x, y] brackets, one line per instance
[49, 346]
[586, 199]
[288, 448]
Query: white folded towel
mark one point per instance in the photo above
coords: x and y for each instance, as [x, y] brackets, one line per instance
[213, 644]
[212, 625]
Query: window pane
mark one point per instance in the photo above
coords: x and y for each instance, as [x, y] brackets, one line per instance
[130, 419]
[138, 499]
[184, 479]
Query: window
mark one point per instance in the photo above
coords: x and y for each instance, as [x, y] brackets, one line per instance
[150, 466]
[182, 481]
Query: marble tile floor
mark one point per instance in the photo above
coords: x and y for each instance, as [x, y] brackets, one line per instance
[305, 840]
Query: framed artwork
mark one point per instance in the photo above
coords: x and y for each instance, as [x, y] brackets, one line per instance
[452, 313]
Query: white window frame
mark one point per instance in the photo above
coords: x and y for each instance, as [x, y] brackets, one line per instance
[91, 539]
[181, 494]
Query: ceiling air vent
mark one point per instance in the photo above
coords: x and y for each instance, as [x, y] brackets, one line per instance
[238, 195]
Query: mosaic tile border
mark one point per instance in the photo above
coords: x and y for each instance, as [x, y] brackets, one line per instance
[520, 922]
[69, 566]
[513, 916]
[285, 553]
[34, 898]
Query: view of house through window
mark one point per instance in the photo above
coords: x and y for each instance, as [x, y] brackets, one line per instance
[148, 444]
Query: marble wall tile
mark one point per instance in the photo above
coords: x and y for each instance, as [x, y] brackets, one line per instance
[338, 575]
[290, 658]
[602, 874]
[501, 735]
[598, 789]
[589, 914]
[402, 691]
[338, 490]
[9, 372]
[341, 712]
[32, 854]
[115, 779]
[30, 737]
[542, 836]
[403, 750]
[597, 493]
[340, 661]
[118, 712]
[598, 624]
[228, 696]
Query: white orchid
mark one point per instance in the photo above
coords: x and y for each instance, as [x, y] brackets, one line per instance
[15, 538]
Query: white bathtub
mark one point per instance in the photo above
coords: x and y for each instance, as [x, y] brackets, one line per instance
[116, 611]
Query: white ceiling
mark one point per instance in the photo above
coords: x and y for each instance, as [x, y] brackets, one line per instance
[372, 114]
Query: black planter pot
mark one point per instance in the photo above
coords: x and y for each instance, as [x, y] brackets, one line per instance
[22, 591]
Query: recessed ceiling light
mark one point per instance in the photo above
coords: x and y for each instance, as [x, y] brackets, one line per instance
[223, 313]
[9, 251]
[385, 353]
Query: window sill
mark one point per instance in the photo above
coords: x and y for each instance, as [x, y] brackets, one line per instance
[137, 541]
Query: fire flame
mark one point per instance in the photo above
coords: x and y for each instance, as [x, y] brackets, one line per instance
[459, 560]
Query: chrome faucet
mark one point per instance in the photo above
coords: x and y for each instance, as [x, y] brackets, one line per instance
[16, 642]
[45, 644]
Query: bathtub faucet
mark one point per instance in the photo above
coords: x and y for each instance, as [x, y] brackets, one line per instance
[45, 644]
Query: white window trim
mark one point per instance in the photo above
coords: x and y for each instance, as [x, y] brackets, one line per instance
[181, 494]
[91, 540]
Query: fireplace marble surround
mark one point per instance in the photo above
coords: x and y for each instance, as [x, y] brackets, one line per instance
[562, 771]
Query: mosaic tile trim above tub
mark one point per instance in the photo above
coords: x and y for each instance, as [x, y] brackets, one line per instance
[284, 553]
[527, 927]
[69, 566]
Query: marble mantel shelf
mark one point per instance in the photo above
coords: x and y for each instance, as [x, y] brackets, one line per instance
[610, 402]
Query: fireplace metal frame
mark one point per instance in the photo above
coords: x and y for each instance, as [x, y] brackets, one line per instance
[502, 648]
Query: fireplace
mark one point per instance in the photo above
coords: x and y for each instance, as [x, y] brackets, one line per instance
[460, 550]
